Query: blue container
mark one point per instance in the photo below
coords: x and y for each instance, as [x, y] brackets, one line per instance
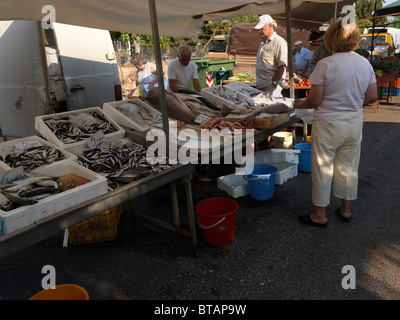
[304, 156]
[261, 181]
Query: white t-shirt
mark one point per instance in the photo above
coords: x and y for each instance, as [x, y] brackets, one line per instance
[182, 74]
[345, 77]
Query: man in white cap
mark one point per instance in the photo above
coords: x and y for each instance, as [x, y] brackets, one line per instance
[272, 56]
[303, 57]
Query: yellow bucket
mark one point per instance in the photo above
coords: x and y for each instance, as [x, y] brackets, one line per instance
[62, 292]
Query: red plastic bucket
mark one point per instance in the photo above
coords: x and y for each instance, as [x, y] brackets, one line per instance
[216, 218]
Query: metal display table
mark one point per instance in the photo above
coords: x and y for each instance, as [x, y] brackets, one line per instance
[46, 227]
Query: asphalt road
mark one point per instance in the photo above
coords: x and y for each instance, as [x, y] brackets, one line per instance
[272, 256]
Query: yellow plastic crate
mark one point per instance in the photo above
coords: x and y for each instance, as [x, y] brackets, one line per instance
[102, 227]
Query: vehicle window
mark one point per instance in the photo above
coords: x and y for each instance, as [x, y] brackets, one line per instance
[216, 46]
[365, 42]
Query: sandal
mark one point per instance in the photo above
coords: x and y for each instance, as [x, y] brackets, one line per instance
[345, 219]
[306, 219]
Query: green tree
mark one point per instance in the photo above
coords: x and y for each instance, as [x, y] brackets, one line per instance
[365, 9]
[208, 28]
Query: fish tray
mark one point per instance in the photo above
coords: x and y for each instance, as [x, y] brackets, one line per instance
[102, 227]
[29, 142]
[219, 101]
[76, 147]
[109, 109]
[243, 88]
[26, 215]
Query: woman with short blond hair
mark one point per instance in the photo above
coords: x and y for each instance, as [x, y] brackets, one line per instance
[340, 86]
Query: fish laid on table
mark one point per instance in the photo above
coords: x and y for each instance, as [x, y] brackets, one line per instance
[177, 109]
[202, 98]
[196, 105]
[136, 113]
[32, 158]
[77, 127]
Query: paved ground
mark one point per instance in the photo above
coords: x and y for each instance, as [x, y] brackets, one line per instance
[272, 256]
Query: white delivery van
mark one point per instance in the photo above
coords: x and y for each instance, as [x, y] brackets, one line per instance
[60, 69]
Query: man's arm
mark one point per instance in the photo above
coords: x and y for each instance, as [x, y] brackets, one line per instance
[279, 73]
[172, 85]
[196, 85]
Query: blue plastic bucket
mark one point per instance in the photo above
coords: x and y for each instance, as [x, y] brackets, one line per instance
[261, 181]
[304, 156]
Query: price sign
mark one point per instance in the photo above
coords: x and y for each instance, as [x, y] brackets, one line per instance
[96, 140]
[24, 145]
[200, 118]
[157, 120]
[11, 175]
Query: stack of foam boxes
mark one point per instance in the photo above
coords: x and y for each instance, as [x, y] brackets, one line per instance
[285, 160]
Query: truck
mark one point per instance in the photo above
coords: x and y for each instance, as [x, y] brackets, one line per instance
[52, 70]
[386, 41]
[241, 43]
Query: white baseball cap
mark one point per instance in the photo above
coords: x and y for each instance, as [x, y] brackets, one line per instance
[263, 20]
[298, 42]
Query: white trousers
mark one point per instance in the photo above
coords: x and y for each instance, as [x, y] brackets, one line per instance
[336, 147]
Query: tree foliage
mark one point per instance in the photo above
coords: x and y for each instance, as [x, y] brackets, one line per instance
[365, 9]
[166, 43]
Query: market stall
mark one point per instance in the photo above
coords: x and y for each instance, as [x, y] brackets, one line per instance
[133, 16]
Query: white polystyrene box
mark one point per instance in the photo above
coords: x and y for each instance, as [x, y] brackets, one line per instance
[109, 108]
[233, 184]
[27, 142]
[26, 215]
[276, 155]
[76, 147]
[286, 171]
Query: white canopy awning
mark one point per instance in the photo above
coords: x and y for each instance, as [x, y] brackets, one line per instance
[175, 17]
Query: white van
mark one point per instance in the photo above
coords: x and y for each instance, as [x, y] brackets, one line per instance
[46, 71]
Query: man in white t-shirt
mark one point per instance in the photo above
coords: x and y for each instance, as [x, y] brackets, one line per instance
[181, 71]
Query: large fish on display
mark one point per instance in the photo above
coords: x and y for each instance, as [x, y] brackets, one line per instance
[177, 109]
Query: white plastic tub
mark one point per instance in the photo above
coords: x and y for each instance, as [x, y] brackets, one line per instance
[110, 108]
[8, 147]
[26, 215]
[76, 147]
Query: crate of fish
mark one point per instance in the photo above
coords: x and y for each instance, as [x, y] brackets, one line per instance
[75, 130]
[243, 89]
[32, 153]
[102, 227]
[123, 161]
[134, 113]
[221, 95]
[46, 191]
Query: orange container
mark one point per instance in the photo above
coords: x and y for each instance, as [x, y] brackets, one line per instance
[62, 292]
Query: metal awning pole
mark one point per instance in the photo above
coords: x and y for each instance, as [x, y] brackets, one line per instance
[289, 43]
[373, 34]
[160, 73]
